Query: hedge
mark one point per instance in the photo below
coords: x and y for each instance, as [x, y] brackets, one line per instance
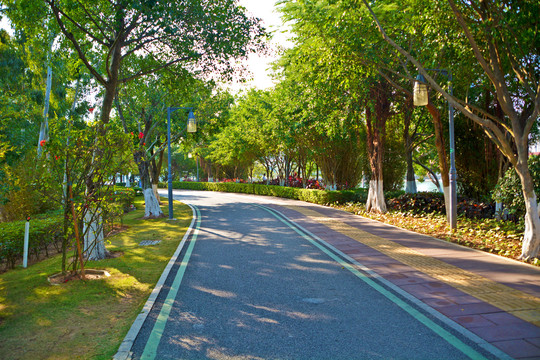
[48, 229]
[43, 232]
[322, 197]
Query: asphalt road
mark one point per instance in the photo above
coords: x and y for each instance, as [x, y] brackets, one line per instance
[250, 285]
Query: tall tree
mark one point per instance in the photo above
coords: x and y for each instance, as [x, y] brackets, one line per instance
[122, 40]
[378, 111]
[503, 38]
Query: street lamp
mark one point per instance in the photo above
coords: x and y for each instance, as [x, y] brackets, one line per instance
[191, 127]
[420, 98]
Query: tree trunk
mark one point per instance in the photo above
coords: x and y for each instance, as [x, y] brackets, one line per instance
[376, 133]
[408, 139]
[151, 204]
[154, 172]
[441, 151]
[531, 236]
[375, 201]
[410, 187]
[94, 246]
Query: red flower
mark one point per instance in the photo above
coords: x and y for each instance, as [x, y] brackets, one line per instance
[56, 157]
[42, 142]
[91, 110]
[132, 133]
[141, 135]
[144, 143]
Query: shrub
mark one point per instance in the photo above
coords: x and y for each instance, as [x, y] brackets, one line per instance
[43, 232]
[422, 202]
[322, 197]
[433, 202]
[508, 190]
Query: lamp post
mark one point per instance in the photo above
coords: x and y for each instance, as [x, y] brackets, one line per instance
[191, 127]
[420, 98]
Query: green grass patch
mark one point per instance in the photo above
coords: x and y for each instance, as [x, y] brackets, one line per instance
[87, 319]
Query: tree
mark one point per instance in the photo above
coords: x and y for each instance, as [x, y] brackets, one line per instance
[503, 39]
[120, 41]
[378, 110]
[149, 35]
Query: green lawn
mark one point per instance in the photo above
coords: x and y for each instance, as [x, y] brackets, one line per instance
[86, 319]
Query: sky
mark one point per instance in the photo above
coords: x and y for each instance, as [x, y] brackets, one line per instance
[258, 65]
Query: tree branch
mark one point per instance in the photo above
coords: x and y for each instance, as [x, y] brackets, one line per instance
[57, 12]
[75, 43]
[153, 70]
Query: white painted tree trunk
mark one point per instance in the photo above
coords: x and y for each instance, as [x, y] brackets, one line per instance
[151, 205]
[410, 187]
[375, 200]
[94, 246]
[156, 194]
[531, 236]
[128, 184]
[446, 192]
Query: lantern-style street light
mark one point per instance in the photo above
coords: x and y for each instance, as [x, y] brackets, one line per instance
[191, 127]
[420, 98]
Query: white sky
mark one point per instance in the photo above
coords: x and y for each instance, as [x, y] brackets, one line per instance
[4, 24]
[258, 65]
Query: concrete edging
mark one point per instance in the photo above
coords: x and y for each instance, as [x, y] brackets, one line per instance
[124, 351]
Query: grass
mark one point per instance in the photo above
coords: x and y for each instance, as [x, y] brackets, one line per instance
[502, 238]
[86, 319]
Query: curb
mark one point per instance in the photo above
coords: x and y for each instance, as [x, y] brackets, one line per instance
[124, 351]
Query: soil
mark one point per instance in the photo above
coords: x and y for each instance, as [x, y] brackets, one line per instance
[89, 274]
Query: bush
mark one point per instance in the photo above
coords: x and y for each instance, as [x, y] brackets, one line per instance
[43, 232]
[508, 190]
[433, 202]
[47, 229]
[322, 197]
[28, 190]
[117, 202]
[422, 202]
[121, 196]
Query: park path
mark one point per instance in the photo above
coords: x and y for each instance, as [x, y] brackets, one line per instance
[267, 278]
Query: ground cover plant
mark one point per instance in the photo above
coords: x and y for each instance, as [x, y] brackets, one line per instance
[86, 319]
[498, 237]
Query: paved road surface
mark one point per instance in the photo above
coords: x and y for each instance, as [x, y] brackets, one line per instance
[250, 284]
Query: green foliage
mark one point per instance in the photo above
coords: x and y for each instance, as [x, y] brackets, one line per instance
[477, 160]
[28, 189]
[321, 197]
[43, 232]
[116, 202]
[509, 191]
[394, 166]
[48, 229]
[138, 191]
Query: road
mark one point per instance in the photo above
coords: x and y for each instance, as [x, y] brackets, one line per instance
[250, 284]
